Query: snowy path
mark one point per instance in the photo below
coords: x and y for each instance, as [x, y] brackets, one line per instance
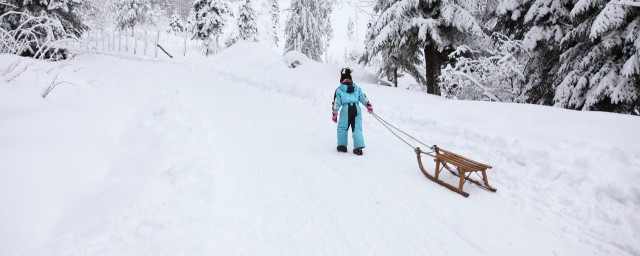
[212, 162]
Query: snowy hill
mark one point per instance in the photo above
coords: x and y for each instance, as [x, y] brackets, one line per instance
[235, 155]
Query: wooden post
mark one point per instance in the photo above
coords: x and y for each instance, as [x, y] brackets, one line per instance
[146, 39]
[217, 44]
[102, 39]
[156, 43]
[120, 40]
[126, 42]
[184, 46]
[135, 44]
[437, 168]
[461, 179]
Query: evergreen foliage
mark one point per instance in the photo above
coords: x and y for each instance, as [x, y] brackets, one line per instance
[247, 25]
[308, 28]
[409, 32]
[34, 28]
[275, 20]
[495, 74]
[600, 59]
[350, 28]
[175, 23]
[130, 13]
[67, 12]
[206, 20]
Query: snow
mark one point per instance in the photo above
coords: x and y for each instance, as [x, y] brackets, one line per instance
[234, 154]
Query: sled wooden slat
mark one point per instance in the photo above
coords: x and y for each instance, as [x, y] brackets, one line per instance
[467, 159]
[463, 168]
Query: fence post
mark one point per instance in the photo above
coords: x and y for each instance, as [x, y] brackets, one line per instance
[184, 46]
[155, 46]
[120, 40]
[102, 39]
[126, 42]
[146, 42]
[135, 44]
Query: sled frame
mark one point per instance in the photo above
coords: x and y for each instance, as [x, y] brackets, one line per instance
[463, 167]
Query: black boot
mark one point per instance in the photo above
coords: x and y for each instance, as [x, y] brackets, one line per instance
[342, 149]
[357, 151]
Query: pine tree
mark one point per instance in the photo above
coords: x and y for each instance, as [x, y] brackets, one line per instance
[397, 54]
[247, 26]
[207, 19]
[34, 28]
[540, 24]
[408, 32]
[69, 13]
[308, 27]
[130, 13]
[350, 28]
[600, 63]
[175, 23]
[275, 20]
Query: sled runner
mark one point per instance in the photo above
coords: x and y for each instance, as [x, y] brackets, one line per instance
[462, 167]
[457, 165]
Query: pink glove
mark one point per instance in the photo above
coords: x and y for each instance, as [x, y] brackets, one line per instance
[369, 107]
[334, 118]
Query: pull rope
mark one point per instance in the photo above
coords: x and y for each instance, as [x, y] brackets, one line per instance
[389, 126]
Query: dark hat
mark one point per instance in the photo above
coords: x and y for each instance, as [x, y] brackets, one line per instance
[345, 74]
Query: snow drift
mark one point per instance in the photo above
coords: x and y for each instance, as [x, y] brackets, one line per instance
[235, 155]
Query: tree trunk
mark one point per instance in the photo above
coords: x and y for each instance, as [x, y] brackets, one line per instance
[433, 60]
[395, 77]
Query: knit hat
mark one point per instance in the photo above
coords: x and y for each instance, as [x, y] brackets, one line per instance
[345, 74]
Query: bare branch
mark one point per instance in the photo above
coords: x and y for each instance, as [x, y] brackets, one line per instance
[19, 73]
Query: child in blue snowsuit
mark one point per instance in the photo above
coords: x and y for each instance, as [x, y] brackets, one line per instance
[345, 101]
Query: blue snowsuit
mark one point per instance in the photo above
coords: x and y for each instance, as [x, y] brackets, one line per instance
[345, 101]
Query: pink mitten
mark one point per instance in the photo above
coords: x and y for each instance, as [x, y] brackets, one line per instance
[369, 107]
[334, 118]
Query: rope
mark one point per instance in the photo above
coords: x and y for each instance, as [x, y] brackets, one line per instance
[389, 126]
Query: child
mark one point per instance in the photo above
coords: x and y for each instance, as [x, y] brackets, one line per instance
[345, 101]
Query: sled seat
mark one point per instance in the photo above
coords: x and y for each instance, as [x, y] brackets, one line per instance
[463, 167]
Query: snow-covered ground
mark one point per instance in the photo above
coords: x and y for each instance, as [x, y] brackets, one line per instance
[235, 155]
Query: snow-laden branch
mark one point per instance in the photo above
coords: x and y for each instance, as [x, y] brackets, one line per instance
[485, 91]
[627, 3]
[496, 73]
[36, 35]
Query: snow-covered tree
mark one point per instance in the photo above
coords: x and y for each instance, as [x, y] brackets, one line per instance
[540, 24]
[175, 23]
[247, 26]
[68, 12]
[130, 13]
[350, 29]
[600, 63]
[274, 11]
[33, 28]
[207, 20]
[308, 27]
[495, 74]
[395, 55]
[409, 32]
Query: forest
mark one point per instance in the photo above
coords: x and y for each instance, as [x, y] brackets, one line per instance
[574, 54]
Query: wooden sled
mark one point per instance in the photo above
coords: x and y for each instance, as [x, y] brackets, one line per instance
[463, 168]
